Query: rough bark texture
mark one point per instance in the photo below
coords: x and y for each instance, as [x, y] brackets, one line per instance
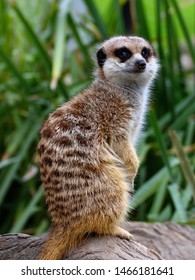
[151, 242]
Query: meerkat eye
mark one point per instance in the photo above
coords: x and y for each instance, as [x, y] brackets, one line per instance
[123, 54]
[145, 53]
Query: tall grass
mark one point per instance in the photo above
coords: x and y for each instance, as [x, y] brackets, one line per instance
[45, 59]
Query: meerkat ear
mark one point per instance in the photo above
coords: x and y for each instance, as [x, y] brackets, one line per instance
[101, 57]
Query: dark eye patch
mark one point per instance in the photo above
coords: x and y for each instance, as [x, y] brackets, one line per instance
[101, 57]
[123, 54]
[145, 52]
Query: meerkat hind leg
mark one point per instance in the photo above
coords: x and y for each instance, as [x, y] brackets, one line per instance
[116, 231]
[122, 233]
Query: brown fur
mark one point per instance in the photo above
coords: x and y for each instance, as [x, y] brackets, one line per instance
[88, 165]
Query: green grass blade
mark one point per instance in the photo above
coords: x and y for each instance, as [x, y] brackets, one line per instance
[42, 227]
[12, 68]
[176, 197]
[10, 174]
[19, 136]
[143, 29]
[8, 161]
[43, 53]
[171, 59]
[81, 45]
[158, 199]
[185, 165]
[3, 18]
[120, 27]
[165, 214]
[60, 44]
[186, 196]
[182, 117]
[161, 143]
[184, 108]
[184, 28]
[161, 51]
[28, 212]
[190, 132]
[150, 187]
[96, 16]
[34, 37]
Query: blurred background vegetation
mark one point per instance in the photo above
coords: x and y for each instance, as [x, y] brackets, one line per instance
[45, 59]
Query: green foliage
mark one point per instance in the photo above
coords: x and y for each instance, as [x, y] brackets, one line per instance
[45, 59]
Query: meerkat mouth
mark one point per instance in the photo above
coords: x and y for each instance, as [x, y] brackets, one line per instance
[134, 71]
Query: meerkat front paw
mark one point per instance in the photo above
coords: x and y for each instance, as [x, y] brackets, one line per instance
[136, 164]
[132, 168]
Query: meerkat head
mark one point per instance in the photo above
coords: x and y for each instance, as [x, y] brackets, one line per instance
[127, 61]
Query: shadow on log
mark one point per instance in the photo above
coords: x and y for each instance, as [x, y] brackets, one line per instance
[151, 242]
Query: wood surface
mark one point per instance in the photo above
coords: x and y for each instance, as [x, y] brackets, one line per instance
[151, 242]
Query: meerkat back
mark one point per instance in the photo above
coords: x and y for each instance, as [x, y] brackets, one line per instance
[86, 152]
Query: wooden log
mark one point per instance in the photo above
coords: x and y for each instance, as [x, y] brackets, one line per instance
[151, 242]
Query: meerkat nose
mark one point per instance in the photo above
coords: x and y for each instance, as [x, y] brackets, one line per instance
[141, 64]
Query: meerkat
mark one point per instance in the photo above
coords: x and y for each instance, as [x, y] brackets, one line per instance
[87, 151]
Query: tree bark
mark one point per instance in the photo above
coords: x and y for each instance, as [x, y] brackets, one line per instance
[151, 242]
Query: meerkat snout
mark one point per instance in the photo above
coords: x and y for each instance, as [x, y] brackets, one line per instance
[141, 64]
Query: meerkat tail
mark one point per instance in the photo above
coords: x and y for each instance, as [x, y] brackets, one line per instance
[60, 242]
